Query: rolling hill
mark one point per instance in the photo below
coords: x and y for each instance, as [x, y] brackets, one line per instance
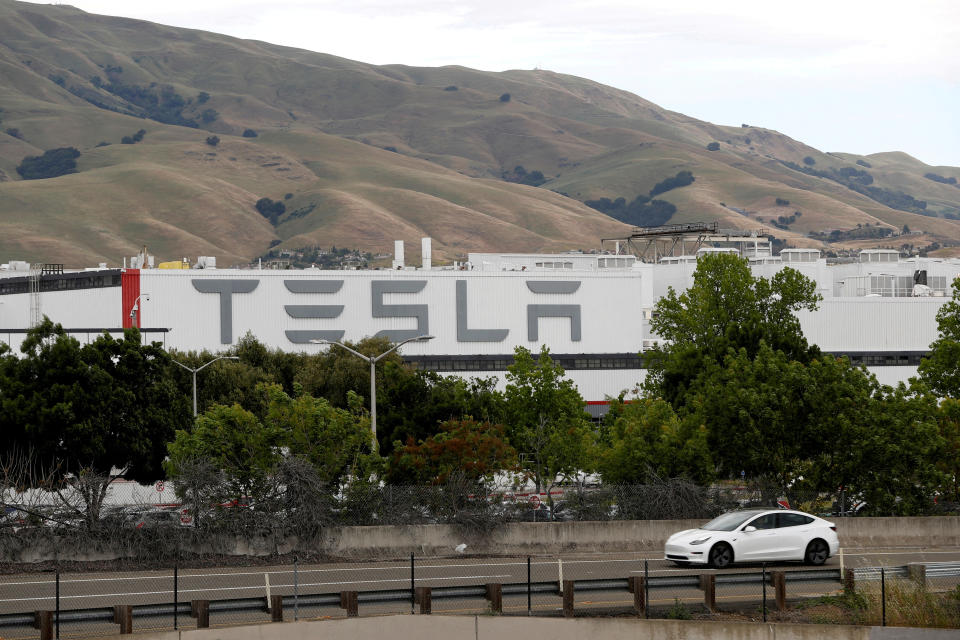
[360, 155]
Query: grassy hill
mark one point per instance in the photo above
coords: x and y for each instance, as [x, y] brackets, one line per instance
[361, 155]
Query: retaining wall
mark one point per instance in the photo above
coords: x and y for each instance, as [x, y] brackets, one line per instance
[496, 628]
[517, 539]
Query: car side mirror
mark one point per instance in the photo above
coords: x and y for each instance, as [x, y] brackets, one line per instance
[749, 529]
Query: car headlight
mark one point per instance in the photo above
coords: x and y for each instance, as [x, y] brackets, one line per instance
[700, 540]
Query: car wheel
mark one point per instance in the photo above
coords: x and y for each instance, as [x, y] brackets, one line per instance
[721, 555]
[817, 552]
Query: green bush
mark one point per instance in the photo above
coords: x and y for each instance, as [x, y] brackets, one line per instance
[53, 163]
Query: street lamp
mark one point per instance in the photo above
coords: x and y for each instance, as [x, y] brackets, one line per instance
[194, 372]
[373, 360]
[136, 307]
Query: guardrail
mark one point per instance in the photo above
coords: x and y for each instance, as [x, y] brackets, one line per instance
[640, 586]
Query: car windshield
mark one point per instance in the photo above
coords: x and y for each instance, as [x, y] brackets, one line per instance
[730, 521]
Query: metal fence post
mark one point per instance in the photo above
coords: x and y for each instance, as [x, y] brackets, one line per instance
[529, 607]
[296, 591]
[646, 588]
[57, 615]
[763, 581]
[883, 598]
[176, 595]
[413, 588]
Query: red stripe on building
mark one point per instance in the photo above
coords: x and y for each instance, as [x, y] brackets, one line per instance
[129, 292]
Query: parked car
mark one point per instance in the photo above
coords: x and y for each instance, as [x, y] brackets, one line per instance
[755, 535]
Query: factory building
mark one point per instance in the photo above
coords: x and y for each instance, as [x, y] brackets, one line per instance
[592, 310]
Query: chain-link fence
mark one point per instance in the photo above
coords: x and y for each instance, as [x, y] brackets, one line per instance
[75, 605]
[155, 534]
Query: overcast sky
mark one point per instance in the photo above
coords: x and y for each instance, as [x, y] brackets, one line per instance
[860, 76]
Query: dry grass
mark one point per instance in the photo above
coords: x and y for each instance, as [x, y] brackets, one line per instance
[181, 197]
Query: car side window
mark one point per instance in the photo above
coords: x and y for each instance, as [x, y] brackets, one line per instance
[792, 520]
[768, 521]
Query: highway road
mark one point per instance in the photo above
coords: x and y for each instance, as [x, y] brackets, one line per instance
[28, 592]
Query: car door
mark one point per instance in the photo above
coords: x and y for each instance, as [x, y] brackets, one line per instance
[753, 546]
[793, 533]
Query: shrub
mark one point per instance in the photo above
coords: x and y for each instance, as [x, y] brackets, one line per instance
[213, 140]
[713, 146]
[809, 161]
[209, 115]
[53, 163]
[127, 140]
[202, 97]
[928, 176]
[287, 196]
[14, 132]
[249, 133]
[864, 163]
[520, 175]
[782, 203]
[505, 97]
[682, 179]
[102, 143]
[452, 87]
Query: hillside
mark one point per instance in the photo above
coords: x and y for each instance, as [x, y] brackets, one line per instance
[360, 155]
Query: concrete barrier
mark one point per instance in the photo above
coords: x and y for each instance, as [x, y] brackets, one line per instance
[515, 539]
[496, 628]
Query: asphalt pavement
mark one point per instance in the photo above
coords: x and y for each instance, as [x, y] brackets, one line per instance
[28, 592]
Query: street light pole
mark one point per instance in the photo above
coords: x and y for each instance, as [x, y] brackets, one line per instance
[194, 372]
[373, 360]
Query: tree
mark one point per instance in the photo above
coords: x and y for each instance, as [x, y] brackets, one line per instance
[335, 372]
[940, 369]
[463, 449]
[809, 161]
[213, 140]
[545, 419]
[87, 410]
[644, 439]
[332, 440]
[505, 97]
[948, 420]
[415, 403]
[236, 444]
[270, 210]
[713, 146]
[209, 115]
[727, 308]
[249, 133]
[682, 179]
[53, 163]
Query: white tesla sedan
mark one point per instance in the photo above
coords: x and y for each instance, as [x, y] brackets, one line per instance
[757, 535]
